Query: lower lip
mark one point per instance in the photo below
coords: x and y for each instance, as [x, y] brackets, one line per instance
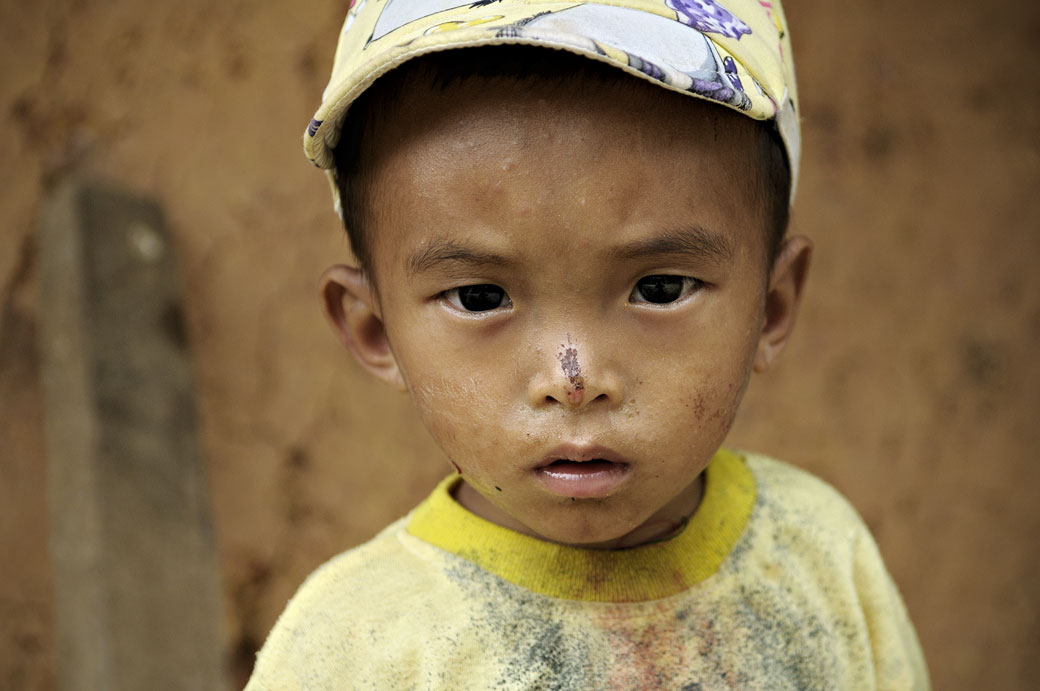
[588, 480]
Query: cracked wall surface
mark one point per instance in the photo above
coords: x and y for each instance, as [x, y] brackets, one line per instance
[911, 383]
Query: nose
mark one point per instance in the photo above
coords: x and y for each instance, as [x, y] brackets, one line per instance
[574, 377]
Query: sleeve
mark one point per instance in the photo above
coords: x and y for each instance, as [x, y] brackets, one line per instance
[898, 659]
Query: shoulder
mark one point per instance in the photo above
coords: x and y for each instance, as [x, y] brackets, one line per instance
[804, 536]
[361, 569]
[784, 479]
[788, 494]
[343, 606]
[807, 536]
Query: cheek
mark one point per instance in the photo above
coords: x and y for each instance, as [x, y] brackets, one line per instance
[467, 402]
[460, 415]
[704, 410]
[701, 389]
[717, 409]
[716, 404]
[445, 405]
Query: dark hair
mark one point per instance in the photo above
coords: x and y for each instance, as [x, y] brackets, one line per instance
[522, 64]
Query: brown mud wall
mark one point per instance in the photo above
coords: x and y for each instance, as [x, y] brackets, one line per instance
[912, 383]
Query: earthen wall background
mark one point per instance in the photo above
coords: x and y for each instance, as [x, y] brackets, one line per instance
[911, 384]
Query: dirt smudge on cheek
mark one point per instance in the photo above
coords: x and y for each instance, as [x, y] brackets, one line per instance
[698, 405]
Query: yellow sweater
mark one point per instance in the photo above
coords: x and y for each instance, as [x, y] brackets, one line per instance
[775, 583]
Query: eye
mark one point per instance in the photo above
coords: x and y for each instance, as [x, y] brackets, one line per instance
[660, 289]
[478, 298]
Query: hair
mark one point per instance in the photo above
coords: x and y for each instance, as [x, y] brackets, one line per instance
[523, 66]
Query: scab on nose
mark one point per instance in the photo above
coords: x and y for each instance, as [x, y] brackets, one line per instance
[575, 387]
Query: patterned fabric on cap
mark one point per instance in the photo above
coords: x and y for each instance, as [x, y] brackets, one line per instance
[734, 52]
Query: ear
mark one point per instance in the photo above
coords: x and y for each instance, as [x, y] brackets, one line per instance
[783, 297]
[350, 304]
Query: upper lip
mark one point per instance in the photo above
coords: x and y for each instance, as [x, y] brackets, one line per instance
[580, 453]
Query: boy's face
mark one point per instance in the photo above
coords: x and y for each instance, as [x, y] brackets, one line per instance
[573, 287]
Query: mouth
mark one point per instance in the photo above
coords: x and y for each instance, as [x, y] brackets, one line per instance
[582, 472]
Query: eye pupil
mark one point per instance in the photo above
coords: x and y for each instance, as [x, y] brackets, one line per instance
[660, 289]
[480, 298]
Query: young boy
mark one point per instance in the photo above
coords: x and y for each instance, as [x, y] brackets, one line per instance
[569, 224]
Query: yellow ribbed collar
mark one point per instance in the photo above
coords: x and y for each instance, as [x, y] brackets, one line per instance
[647, 572]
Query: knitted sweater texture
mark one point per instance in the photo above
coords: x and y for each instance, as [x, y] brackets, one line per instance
[775, 583]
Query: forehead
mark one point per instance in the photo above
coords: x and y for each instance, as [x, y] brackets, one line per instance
[488, 153]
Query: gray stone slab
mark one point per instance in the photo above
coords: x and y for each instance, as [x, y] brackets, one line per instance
[132, 546]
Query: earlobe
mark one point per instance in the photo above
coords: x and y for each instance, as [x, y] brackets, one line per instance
[350, 305]
[783, 298]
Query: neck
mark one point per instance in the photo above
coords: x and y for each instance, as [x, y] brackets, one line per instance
[660, 558]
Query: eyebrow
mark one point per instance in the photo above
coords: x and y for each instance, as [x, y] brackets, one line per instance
[446, 252]
[693, 240]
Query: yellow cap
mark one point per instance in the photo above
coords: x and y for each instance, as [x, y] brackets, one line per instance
[736, 53]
